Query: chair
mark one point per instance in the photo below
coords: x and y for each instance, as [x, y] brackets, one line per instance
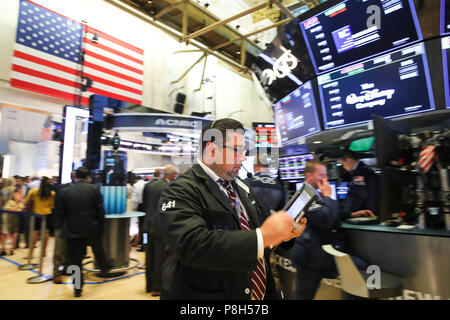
[354, 281]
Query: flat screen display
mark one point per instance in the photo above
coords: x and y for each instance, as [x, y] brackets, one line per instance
[293, 168]
[394, 84]
[354, 30]
[296, 114]
[342, 190]
[445, 42]
[265, 135]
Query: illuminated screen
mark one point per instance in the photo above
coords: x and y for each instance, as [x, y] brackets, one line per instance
[296, 114]
[445, 42]
[75, 140]
[341, 191]
[353, 30]
[292, 168]
[394, 84]
[266, 135]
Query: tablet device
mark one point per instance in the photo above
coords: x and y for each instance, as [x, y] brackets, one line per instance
[300, 202]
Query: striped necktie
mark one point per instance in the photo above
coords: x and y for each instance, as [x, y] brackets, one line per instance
[259, 274]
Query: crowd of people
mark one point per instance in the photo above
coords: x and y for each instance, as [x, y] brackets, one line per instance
[188, 254]
[16, 193]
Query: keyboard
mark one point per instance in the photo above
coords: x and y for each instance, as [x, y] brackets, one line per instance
[362, 220]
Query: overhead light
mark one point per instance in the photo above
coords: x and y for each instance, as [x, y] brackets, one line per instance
[317, 142]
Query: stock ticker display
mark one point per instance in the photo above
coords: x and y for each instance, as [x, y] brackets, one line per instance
[390, 85]
[266, 135]
[354, 30]
[293, 168]
[296, 114]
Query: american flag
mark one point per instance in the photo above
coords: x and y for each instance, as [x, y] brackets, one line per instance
[426, 158]
[48, 58]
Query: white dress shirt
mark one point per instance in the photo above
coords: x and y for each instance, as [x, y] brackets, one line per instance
[215, 177]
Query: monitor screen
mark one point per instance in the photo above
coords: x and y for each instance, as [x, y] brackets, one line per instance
[445, 42]
[292, 168]
[296, 114]
[341, 190]
[394, 84]
[266, 135]
[354, 30]
[333, 190]
[362, 145]
[333, 196]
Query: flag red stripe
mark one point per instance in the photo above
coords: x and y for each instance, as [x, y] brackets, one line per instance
[113, 84]
[113, 95]
[111, 72]
[45, 76]
[427, 165]
[115, 40]
[44, 62]
[114, 62]
[45, 90]
[118, 53]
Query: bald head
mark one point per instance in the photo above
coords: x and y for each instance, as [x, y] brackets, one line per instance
[170, 172]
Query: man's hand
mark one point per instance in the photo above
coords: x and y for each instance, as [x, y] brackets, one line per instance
[277, 228]
[299, 227]
[324, 187]
[362, 213]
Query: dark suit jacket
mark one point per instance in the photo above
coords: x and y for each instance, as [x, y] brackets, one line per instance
[211, 257]
[363, 191]
[82, 211]
[324, 221]
[151, 195]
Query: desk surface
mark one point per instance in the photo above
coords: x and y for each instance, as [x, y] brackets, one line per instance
[129, 214]
[381, 228]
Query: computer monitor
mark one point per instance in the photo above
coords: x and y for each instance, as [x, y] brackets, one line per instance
[445, 17]
[394, 84]
[353, 30]
[293, 167]
[333, 196]
[342, 190]
[333, 190]
[386, 139]
[265, 135]
[296, 114]
[445, 44]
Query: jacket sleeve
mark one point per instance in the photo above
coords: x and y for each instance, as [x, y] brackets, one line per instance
[324, 215]
[184, 228]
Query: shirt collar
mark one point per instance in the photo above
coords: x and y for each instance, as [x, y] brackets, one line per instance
[208, 170]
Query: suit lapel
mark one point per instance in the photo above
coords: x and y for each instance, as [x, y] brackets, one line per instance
[215, 191]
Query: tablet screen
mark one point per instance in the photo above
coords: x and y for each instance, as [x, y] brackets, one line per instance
[298, 205]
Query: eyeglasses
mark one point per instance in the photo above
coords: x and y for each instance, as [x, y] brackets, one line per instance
[237, 151]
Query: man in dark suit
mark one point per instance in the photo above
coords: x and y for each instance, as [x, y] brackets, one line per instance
[83, 219]
[362, 196]
[269, 190]
[324, 222]
[209, 219]
[154, 252]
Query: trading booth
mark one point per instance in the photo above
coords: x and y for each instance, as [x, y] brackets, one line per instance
[371, 76]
